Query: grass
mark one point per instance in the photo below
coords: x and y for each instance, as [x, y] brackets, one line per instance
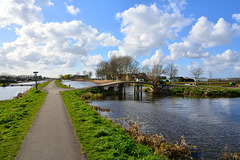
[60, 85]
[204, 91]
[100, 138]
[16, 117]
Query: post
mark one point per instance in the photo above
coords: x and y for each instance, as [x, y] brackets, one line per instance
[35, 75]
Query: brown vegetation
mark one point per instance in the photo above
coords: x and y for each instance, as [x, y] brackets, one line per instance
[158, 143]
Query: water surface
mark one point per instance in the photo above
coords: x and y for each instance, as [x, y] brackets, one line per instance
[78, 84]
[209, 124]
[10, 92]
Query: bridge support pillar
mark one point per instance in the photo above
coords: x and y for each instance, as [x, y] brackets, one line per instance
[138, 91]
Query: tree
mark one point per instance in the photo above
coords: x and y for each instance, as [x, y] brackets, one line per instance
[90, 74]
[196, 72]
[117, 66]
[84, 72]
[157, 71]
[171, 70]
[210, 75]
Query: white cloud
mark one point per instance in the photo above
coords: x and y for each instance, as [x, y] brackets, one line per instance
[187, 49]
[90, 63]
[44, 3]
[209, 34]
[148, 27]
[52, 44]
[236, 17]
[72, 10]
[18, 12]
[228, 60]
[204, 34]
[157, 58]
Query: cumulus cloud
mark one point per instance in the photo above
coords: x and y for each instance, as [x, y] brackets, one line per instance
[148, 27]
[44, 3]
[157, 58]
[92, 60]
[204, 34]
[209, 34]
[228, 60]
[52, 44]
[187, 49]
[18, 12]
[236, 17]
[71, 9]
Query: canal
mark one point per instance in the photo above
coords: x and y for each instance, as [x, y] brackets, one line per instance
[209, 124]
[9, 92]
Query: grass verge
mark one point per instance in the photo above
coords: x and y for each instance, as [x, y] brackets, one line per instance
[100, 138]
[201, 91]
[16, 117]
[60, 85]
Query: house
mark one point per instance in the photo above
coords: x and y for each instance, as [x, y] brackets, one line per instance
[202, 79]
[74, 77]
[132, 77]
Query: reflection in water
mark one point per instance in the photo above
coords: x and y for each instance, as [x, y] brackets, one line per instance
[209, 124]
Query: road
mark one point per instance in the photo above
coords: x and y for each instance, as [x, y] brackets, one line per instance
[52, 135]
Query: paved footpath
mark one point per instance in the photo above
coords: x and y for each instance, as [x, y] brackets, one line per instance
[52, 135]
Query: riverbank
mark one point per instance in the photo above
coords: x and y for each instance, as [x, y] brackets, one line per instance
[16, 118]
[100, 138]
[60, 85]
[204, 91]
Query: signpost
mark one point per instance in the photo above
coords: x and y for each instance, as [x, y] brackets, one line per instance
[35, 77]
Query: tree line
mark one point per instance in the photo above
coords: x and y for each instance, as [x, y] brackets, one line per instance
[13, 78]
[117, 66]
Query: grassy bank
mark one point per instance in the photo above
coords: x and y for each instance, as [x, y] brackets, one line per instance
[16, 117]
[60, 85]
[201, 91]
[100, 138]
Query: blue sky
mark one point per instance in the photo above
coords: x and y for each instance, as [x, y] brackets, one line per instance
[69, 36]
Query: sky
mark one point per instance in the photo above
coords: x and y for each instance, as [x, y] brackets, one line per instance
[57, 37]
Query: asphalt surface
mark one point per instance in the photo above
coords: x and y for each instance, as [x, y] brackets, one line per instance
[52, 136]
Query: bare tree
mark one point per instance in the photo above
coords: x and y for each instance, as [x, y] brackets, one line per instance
[90, 74]
[117, 66]
[210, 75]
[101, 70]
[196, 72]
[146, 70]
[171, 70]
[157, 71]
[84, 72]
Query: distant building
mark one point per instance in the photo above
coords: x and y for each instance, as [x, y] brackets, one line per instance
[202, 79]
[132, 77]
[79, 77]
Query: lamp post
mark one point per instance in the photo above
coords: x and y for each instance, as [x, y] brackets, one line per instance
[35, 77]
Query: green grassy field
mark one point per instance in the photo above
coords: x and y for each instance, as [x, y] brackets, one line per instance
[16, 117]
[100, 138]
